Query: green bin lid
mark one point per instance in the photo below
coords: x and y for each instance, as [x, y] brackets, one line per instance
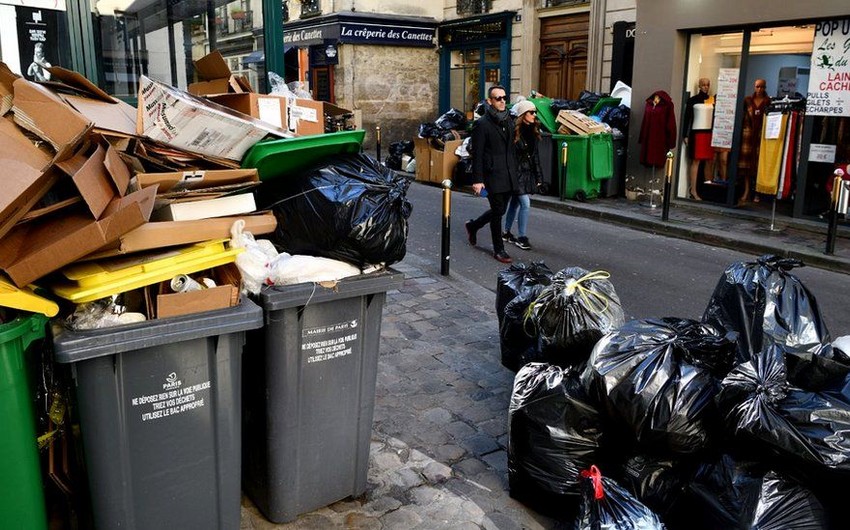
[281, 158]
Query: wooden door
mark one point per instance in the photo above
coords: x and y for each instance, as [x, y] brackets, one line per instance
[563, 56]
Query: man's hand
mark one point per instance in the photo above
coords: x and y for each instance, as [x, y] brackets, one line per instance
[477, 188]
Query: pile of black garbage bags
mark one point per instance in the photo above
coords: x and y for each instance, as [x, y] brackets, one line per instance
[347, 207]
[738, 421]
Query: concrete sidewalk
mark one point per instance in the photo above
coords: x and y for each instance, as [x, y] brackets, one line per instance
[438, 456]
[738, 229]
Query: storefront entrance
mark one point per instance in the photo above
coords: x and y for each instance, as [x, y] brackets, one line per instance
[563, 55]
[747, 138]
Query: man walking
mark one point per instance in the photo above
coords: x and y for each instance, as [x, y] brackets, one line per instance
[494, 167]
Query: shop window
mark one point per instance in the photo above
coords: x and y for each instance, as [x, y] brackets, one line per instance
[162, 38]
[472, 7]
[33, 39]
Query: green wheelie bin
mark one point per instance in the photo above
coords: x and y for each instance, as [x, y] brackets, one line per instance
[22, 503]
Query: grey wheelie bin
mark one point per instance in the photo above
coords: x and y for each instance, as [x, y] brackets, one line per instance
[309, 393]
[159, 407]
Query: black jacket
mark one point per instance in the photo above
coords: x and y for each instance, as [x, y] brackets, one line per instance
[530, 174]
[494, 160]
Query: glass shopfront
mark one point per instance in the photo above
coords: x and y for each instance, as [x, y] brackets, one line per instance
[747, 139]
[474, 55]
[33, 37]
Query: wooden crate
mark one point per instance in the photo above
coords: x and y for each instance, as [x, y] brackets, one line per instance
[574, 122]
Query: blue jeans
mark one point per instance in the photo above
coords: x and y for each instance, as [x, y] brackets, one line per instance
[523, 203]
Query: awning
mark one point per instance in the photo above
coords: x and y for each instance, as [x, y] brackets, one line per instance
[255, 57]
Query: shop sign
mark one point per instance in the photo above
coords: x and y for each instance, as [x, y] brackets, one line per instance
[829, 81]
[386, 34]
[725, 106]
[312, 35]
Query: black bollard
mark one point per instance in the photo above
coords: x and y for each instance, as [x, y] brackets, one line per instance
[445, 256]
[378, 142]
[832, 230]
[668, 187]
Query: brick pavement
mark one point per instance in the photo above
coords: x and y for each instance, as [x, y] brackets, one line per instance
[438, 455]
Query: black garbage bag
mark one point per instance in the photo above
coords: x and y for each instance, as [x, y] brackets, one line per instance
[617, 117]
[589, 99]
[404, 147]
[607, 506]
[514, 279]
[769, 416]
[766, 304]
[659, 483]
[452, 119]
[553, 433]
[349, 208]
[393, 162]
[573, 312]
[738, 495]
[428, 130]
[658, 379]
[518, 339]
[558, 105]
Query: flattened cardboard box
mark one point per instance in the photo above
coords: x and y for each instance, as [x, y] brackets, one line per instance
[176, 118]
[39, 247]
[422, 153]
[46, 115]
[151, 236]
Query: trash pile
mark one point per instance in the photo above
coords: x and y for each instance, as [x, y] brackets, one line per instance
[121, 214]
[437, 143]
[736, 421]
[591, 113]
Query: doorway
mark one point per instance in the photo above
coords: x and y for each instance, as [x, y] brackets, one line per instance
[563, 55]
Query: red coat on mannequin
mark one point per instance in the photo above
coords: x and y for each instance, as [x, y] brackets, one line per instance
[658, 129]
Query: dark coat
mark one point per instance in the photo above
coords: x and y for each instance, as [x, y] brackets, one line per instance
[493, 156]
[528, 160]
[657, 130]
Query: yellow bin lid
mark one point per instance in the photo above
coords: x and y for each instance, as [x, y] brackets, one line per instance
[93, 280]
[25, 299]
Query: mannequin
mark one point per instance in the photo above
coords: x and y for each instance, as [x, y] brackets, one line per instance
[696, 132]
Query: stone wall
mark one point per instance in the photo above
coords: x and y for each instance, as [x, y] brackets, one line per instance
[392, 86]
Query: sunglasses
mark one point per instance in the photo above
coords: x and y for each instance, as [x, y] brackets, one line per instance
[532, 112]
[500, 98]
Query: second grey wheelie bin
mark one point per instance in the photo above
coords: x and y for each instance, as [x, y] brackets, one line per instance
[309, 393]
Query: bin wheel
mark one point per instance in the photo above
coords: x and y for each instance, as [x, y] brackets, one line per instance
[581, 196]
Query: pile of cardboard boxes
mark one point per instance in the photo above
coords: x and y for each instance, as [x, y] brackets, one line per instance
[83, 173]
[435, 165]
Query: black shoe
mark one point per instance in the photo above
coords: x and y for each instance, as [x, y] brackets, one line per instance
[471, 235]
[523, 243]
[508, 237]
[503, 257]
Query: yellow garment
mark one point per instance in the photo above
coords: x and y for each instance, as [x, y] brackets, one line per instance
[770, 159]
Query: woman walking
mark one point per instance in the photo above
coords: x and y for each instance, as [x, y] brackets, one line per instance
[525, 140]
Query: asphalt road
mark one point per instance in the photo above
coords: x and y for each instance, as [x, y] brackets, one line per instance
[654, 275]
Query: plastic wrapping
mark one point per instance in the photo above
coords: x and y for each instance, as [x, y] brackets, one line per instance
[349, 208]
[659, 378]
[279, 86]
[766, 304]
[573, 312]
[517, 336]
[553, 431]
[513, 280]
[103, 313]
[740, 495]
[607, 506]
[770, 416]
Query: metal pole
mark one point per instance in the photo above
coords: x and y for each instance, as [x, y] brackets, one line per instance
[445, 256]
[832, 231]
[563, 184]
[668, 185]
[378, 144]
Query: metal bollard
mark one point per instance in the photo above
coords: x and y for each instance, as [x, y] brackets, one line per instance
[378, 142]
[563, 184]
[445, 256]
[668, 186]
[835, 206]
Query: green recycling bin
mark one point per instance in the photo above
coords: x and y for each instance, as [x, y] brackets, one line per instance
[21, 494]
[574, 178]
[544, 113]
[601, 156]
